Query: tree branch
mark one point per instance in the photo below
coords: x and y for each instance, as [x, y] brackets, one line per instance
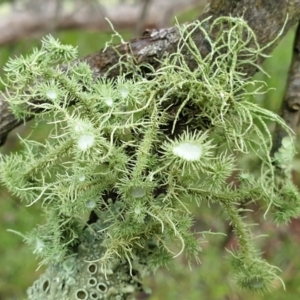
[141, 21]
[266, 18]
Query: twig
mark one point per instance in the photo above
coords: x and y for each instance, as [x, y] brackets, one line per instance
[141, 21]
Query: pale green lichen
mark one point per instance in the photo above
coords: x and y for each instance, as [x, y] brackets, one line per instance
[77, 278]
[134, 152]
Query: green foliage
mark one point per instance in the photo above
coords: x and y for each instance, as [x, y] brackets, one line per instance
[151, 143]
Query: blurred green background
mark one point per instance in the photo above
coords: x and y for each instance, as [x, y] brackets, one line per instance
[210, 280]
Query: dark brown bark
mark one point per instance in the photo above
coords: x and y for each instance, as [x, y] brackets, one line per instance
[266, 18]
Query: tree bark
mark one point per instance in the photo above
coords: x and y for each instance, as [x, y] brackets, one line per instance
[266, 18]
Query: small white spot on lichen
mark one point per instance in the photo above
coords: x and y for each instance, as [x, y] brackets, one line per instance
[90, 204]
[39, 246]
[51, 94]
[137, 210]
[109, 101]
[124, 92]
[188, 151]
[138, 192]
[78, 128]
[85, 141]
[81, 178]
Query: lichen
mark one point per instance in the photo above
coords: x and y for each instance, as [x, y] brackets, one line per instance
[77, 278]
[117, 173]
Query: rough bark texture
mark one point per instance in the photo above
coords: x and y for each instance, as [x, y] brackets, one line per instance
[266, 17]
